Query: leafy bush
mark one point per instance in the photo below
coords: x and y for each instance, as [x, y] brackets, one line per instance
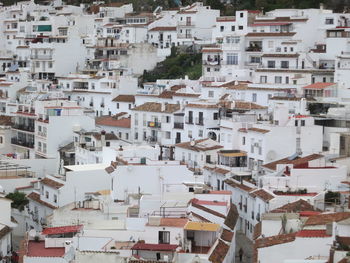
[19, 200]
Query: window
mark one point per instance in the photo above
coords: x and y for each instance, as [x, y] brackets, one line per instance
[210, 94]
[254, 97]
[278, 79]
[232, 59]
[233, 28]
[208, 69]
[55, 198]
[263, 79]
[189, 134]
[270, 44]
[222, 28]
[47, 194]
[255, 59]
[1, 140]
[200, 133]
[240, 27]
[243, 140]
[117, 105]
[271, 64]
[287, 80]
[136, 136]
[167, 135]
[241, 14]
[163, 237]
[329, 21]
[284, 64]
[108, 144]
[302, 122]
[167, 119]
[216, 115]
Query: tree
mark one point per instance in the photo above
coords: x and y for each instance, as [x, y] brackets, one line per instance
[19, 200]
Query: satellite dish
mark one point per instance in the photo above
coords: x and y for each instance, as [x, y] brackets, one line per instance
[192, 143]
[271, 155]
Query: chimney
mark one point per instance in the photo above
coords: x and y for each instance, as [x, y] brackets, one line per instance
[103, 138]
[321, 6]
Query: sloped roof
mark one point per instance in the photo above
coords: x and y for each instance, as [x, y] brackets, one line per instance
[62, 230]
[114, 122]
[36, 197]
[154, 247]
[262, 194]
[239, 186]
[323, 219]
[157, 107]
[232, 217]
[297, 206]
[49, 182]
[4, 231]
[274, 240]
[219, 253]
[296, 161]
[124, 98]
[200, 145]
[319, 85]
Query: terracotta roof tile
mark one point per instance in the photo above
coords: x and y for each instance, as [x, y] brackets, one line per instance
[257, 230]
[166, 94]
[312, 233]
[274, 240]
[154, 247]
[219, 253]
[323, 219]
[36, 197]
[112, 121]
[62, 230]
[157, 107]
[237, 185]
[262, 194]
[200, 145]
[208, 210]
[319, 85]
[124, 98]
[280, 55]
[163, 28]
[296, 161]
[37, 249]
[173, 222]
[202, 106]
[53, 184]
[232, 217]
[227, 235]
[294, 207]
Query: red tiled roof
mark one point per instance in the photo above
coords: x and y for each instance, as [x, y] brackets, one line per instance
[124, 98]
[237, 185]
[319, 85]
[296, 161]
[271, 24]
[274, 240]
[111, 121]
[4, 231]
[227, 235]
[164, 28]
[154, 247]
[297, 206]
[37, 249]
[62, 230]
[173, 222]
[312, 233]
[206, 202]
[262, 194]
[36, 197]
[51, 183]
[257, 34]
[219, 253]
[208, 210]
[323, 219]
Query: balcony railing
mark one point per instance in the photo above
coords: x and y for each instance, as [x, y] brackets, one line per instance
[211, 62]
[187, 36]
[154, 124]
[23, 143]
[199, 121]
[23, 127]
[254, 49]
[42, 57]
[185, 23]
[178, 125]
[189, 120]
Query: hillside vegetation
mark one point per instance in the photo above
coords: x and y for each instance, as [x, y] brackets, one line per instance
[177, 65]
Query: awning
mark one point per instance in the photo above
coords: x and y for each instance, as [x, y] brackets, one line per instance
[236, 154]
[44, 28]
[202, 226]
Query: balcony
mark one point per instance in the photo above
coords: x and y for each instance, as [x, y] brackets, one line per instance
[42, 134]
[186, 23]
[41, 57]
[154, 124]
[189, 120]
[253, 49]
[81, 85]
[22, 127]
[178, 125]
[184, 36]
[23, 143]
[211, 62]
[200, 121]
